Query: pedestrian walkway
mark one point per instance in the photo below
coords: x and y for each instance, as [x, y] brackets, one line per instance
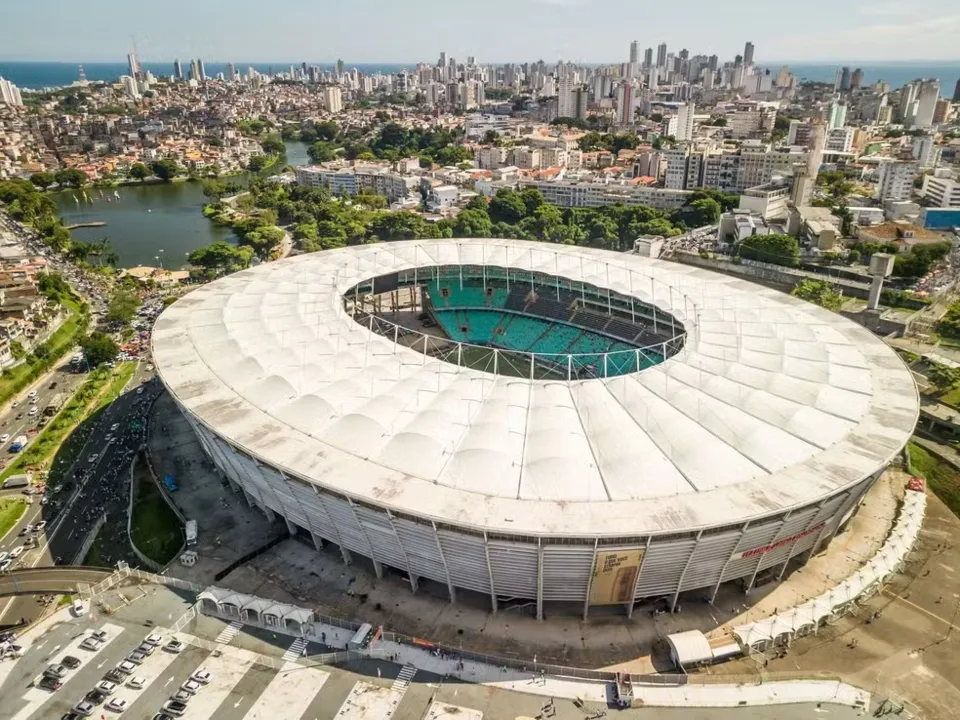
[295, 650]
[229, 632]
[404, 679]
[289, 693]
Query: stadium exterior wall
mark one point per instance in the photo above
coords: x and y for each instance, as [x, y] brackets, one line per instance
[545, 569]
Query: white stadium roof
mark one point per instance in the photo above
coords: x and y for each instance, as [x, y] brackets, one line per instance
[772, 404]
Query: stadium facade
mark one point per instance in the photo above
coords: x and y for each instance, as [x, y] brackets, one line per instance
[536, 422]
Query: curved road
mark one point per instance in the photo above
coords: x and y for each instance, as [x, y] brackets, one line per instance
[49, 580]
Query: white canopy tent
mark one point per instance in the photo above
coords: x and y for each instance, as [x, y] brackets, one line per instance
[800, 620]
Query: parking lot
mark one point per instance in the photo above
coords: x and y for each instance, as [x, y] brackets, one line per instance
[242, 687]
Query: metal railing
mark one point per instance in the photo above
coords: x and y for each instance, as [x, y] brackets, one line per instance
[525, 364]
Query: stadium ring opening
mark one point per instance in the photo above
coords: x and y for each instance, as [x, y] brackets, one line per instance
[327, 389]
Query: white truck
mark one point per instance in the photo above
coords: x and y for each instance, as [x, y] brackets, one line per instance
[191, 530]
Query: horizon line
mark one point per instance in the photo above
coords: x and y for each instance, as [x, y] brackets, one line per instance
[495, 62]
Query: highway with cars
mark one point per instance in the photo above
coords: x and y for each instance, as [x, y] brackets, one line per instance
[97, 484]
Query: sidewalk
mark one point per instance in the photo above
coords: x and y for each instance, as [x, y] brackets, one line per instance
[692, 695]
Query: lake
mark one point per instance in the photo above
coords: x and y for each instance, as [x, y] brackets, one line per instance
[149, 219]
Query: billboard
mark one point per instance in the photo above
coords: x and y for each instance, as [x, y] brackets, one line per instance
[615, 576]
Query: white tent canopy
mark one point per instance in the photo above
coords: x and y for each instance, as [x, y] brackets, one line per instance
[887, 560]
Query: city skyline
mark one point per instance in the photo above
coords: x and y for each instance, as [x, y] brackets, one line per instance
[577, 31]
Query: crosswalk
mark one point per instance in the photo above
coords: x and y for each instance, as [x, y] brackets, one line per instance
[404, 678]
[229, 632]
[295, 650]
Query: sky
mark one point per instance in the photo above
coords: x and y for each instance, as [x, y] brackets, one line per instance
[408, 31]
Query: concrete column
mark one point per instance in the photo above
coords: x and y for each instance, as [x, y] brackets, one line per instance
[271, 515]
[291, 527]
[317, 541]
[249, 498]
[414, 582]
[378, 569]
[347, 557]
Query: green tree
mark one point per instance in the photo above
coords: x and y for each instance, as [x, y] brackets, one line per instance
[166, 169]
[820, 293]
[213, 188]
[402, 225]
[139, 171]
[273, 145]
[221, 257]
[257, 163]
[507, 206]
[123, 306]
[774, 248]
[327, 130]
[532, 199]
[944, 378]
[321, 152]
[98, 348]
[43, 180]
[491, 137]
[71, 177]
[472, 223]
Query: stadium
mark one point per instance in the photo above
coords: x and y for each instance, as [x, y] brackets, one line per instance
[548, 425]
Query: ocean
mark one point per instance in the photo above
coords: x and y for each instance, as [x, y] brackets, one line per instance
[37, 75]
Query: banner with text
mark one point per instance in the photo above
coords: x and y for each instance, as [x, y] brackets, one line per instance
[615, 576]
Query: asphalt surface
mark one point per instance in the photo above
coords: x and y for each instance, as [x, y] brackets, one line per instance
[49, 580]
[16, 421]
[97, 488]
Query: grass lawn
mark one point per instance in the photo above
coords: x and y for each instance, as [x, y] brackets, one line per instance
[941, 477]
[122, 374]
[11, 510]
[951, 397]
[155, 528]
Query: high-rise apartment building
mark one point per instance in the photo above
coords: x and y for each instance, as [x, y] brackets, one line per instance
[845, 79]
[332, 99]
[232, 72]
[895, 182]
[130, 86]
[662, 55]
[685, 121]
[625, 104]
[748, 54]
[956, 92]
[566, 97]
[634, 53]
[133, 63]
[856, 79]
[177, 70]
[838, 115]
[927, 96]
[202, 72]
[648, 61]
[924, 150]
[10, 93]
[340, 67]
[194, 71]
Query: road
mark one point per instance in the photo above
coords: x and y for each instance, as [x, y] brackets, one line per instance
[49, 580]
[99, 487]
[15, 421]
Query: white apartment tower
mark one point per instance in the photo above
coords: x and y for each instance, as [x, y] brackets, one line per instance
[896, 180]
[927, 96]
[10, 93]
[566, 97]
[332, 99]
[685, 121]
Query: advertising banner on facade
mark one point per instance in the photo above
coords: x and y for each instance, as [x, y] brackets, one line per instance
[615, 576]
